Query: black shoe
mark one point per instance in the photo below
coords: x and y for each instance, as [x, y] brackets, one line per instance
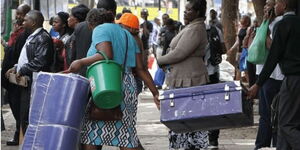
[12, 142]
[213, 145]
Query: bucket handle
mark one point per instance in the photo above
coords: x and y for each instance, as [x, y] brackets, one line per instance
[104, 55]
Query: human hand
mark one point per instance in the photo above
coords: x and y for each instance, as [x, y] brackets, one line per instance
[3, 43]
[157, 101]
[252, 91]
[74, 67]
[9, 71]
[18, 77]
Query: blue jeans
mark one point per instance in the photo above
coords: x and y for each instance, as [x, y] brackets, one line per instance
[266, 94]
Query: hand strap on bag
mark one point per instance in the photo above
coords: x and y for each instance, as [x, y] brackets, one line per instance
[124, 64]
[125, 60]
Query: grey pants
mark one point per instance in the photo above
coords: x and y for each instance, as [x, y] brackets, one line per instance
[289, 114]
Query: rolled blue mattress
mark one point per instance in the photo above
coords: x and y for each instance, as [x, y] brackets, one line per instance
[51, 137]
[58, 99]
[58, 103]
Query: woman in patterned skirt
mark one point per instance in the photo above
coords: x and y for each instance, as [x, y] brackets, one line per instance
[187, 68]
[111, 39]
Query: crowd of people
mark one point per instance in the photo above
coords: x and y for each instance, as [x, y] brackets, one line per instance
[190, 56]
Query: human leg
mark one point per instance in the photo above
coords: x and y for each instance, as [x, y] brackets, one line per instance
[288, 117]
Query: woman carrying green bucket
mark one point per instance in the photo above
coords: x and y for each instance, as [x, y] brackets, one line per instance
[112, 40]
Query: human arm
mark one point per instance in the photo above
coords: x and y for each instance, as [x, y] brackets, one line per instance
[235, 45]
[146, 77]
[275, 54]
[4, 44]
[76, 65]
[42, 57]
[187, 44]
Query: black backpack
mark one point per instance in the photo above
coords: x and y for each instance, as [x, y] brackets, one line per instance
[214, 46]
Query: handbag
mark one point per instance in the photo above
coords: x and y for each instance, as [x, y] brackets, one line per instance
[96, 113]
[257, 52]
[113, 114]
[243, 60]
[159, 77]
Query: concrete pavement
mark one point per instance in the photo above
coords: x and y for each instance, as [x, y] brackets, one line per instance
[154, 135]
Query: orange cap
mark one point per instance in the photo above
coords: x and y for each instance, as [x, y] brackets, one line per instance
[130, 20]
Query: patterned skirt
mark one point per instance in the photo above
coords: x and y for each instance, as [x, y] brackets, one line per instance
[189, 140]
[115, 133]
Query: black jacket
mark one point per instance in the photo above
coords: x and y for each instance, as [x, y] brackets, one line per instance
[40, 54]
[81, 44]
[11, 56]
[285, 49]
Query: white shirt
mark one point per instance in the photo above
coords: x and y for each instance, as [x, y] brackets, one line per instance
[153, 40]
[23, 56]
[276, 74]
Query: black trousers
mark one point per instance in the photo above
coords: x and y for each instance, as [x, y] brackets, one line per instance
[213, 135]
[251, 68]
[266, 95]
[14, 94]
[24, 107]
[289, 114]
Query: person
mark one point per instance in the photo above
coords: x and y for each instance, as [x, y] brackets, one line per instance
[147, 28]
[165, 17]
[245, 22]
[36, 55]
[154, 36]
[168, 31]
[12, 53]
[130, 22]
[82, 31]
[118, 16]
[77, 15]
[214, 21]
[60, 25]
[187, 68]
[285, 51]
[265, 135]
[126, 10]
[214, 74]
[111, 39]
[53, 33]
[251, 68]
[169, 34]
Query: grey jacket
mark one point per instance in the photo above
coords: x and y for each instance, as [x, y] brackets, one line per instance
[187, 51]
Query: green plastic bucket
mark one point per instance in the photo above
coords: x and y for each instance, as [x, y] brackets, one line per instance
[105, 81]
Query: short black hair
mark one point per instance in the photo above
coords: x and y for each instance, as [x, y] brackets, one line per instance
[79, 12]
[170, 21]
[118, 16]
[166, 15]
[37, 17]
[199, 5]
[213, 11]
[144, 10]
[24, 8]
[51, 21]
[109, 5]
[126, 10]
[63, 17]
[98, 16]
[291, 5]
